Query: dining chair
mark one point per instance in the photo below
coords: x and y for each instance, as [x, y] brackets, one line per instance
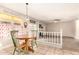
[34, 40]
[17, 46]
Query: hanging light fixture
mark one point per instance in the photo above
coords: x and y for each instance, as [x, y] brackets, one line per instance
[27, 17]
[27, 11]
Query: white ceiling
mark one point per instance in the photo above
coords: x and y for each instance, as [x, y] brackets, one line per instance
[47, 11]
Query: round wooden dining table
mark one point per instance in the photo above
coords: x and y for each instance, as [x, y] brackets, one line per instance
[26, 38]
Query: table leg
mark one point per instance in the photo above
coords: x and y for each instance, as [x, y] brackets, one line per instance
[26, 47]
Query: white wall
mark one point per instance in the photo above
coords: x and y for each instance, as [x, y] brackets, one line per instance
[77, 29]
[53, 27]
[68, 28]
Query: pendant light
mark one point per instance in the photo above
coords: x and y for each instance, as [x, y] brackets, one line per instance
[27, 11]
[27, 17]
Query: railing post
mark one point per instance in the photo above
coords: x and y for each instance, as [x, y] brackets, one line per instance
[61, 38]
[54, 38]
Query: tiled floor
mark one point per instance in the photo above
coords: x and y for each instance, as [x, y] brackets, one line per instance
[43, 50]
[48, 50]
[70, 43]
[70, 47]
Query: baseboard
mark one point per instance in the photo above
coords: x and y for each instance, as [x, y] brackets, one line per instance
[68, 37]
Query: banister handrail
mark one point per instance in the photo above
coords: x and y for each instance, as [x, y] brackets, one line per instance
[51, 37]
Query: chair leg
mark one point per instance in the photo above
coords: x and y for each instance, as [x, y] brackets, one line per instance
[14, 50]
[32, 45]
[36, 44]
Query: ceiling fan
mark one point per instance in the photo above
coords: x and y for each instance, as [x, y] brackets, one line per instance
[55, 20]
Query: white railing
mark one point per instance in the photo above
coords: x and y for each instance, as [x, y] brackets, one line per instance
[53, 38]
